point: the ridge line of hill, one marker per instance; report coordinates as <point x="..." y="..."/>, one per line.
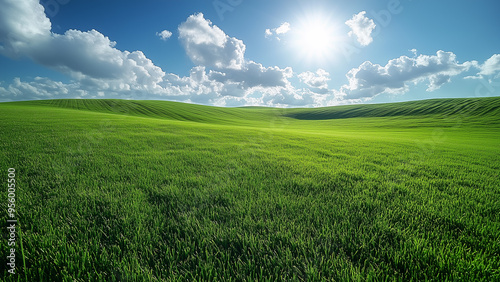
<point x="479" y="107"/>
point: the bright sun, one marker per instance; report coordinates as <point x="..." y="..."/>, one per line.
<point x="315" y="37"/>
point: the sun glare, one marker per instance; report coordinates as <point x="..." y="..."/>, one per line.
<point x="315" y="37"/>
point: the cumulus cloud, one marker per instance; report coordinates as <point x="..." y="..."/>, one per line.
<point x="89" y="57"/>
<point x="181" y="89"/>
<point x="164" y="35"/>
<point x="290" y="96"/>
<point x="206" y="44"/>
<point x="253" y="85"/>
<point x="491" y="66"/>
<point x="369" y="80"/>
<point x="254" y="74"/>
<point x="228" y="88"/>
<point x="282" y="29"/>
<point x="39" y="88"/>
<point x="22" y="23"/>
<point x="92" y="56"/>
<point x="362" y="28"/>
<point x="318" y="80"/>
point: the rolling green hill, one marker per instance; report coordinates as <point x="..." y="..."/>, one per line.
<point x="113" y="190"/>
<point x="486" y="108"/>
<point x="483" y="107"/>
<point x="160" y="109"/>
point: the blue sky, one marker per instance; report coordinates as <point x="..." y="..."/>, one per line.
<point x="249" y="52"/>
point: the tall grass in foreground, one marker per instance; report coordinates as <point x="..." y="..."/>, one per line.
<point x="103" y="196"/>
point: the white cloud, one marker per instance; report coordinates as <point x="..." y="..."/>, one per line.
<point x="317" y="80"/>
<point x="164" y="35"/>
<point x="212" y="87"/>
<point x="361" y="27"/>
<point x="254" y="74"/>
<point x="89" y="57"/>
<point x="290" y="97"/>
<point x="284" y="28"/>
<point x="92" y="56"/>
<point x="369" y="80"/>
<point x="39" y="88"/>
<point x="491" y="66"/>
<point x="21" y="24"/>
<point x="206" y="44"/>
<point x="228" y="89"/>
<point x="209" y="46"/>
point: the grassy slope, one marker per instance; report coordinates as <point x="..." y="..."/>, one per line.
<point x="147" y="190"/>
<point x="162" y="110"/>
<point x="440" y="107"/>
<point x="188" y="112"/>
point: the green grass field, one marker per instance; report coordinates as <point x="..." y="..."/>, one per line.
<point x="112" y="190"/>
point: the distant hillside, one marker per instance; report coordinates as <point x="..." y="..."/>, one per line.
<point x="487" y="109"/>
<point x="160" y="109"/>
<point x="469" y="107"/>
